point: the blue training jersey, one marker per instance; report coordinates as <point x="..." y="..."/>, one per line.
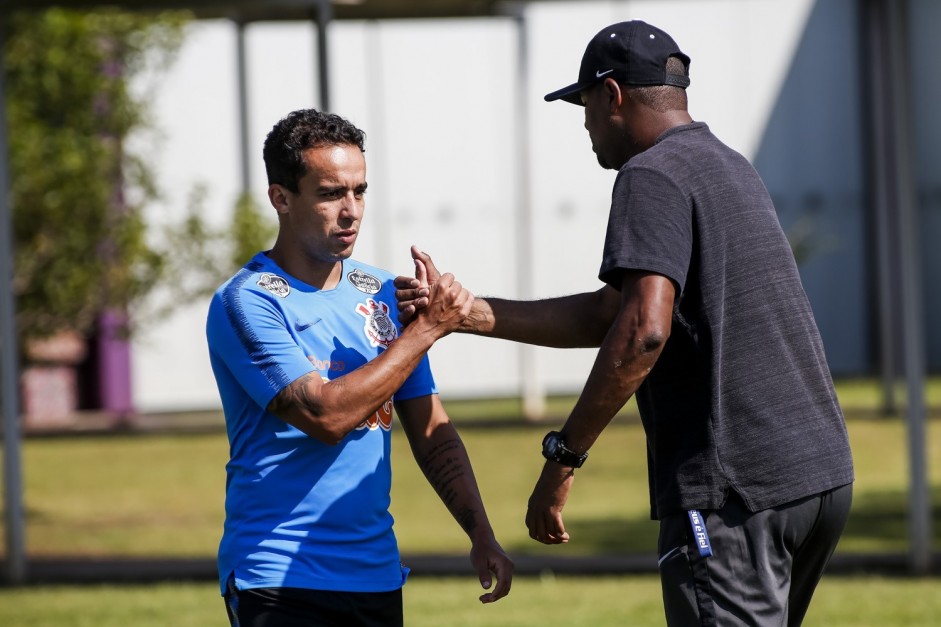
<point x="301" y="513"/>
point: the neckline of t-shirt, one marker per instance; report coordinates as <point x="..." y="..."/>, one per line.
<point x="673" y="130"/>
<point x="270" y="265"/>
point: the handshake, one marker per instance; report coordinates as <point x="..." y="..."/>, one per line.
<point x="432" y="300"/>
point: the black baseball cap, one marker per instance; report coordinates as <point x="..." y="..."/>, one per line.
<point x="633" y="53"/>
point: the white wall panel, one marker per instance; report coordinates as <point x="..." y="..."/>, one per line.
<point x="436" y="100"/>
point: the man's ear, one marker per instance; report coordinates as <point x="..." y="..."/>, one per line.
<point x="613" y="94"/>
<point x="278" y="197"/>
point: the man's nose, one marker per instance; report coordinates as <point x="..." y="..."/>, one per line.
<point x="350" y="207"/>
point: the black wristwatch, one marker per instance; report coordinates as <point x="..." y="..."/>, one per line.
<point x="554" y="449"/>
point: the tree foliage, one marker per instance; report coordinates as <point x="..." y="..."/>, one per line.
<point x="199" y="257"/>
<point x="251" y="231"/>
<point x="77" y="193"/>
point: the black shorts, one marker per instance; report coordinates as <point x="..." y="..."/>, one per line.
<point x="299" y="607"/>
<point x="764" y="565"/>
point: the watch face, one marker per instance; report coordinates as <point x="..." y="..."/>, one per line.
<point x="550" y="444"/>
<point x="553" y="448"/>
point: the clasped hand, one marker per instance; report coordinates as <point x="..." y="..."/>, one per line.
<point x="438" y="299"/>
<point x="412" y="293"/>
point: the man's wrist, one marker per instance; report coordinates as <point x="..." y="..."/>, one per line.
<point x="555" y="449"/>
<point x="423" y="334"/>
<point x="479" y="320"/>
<point x="483" y="534"/>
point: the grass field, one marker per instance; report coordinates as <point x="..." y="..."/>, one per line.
<point x="161" y="495"/>
<point x="452" y="602"/>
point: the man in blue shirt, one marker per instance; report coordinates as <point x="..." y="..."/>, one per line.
<point x="310" y="358"/>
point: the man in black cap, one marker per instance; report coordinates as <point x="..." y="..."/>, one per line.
<point x="703" y="316"/>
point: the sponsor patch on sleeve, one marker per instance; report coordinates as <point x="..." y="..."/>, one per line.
<point x="275" y="284"/>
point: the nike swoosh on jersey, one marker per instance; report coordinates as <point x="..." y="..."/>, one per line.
<point x="303" y="326"/>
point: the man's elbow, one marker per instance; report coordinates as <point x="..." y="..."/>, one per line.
<point x="329" y="430"/>
<point x="316" y="426"/>
<point x="651" y="339"/>
<point x="331" y="438"/>
<point x="654" y="340"/>
<point x="639" y="355"/>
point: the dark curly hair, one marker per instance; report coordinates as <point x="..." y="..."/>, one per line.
<point x="299" y="131"/>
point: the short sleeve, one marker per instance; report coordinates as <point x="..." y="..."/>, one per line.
<point x="248" y="334"/>
<point x="419" y="383"/>
<point x="649" y="228"/>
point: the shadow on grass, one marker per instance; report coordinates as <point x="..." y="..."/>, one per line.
<point x="605" y="536"/>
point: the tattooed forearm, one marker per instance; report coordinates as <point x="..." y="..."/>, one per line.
<point x="467" y="518"/>
<point x="297" y="393"/>
<point x="444" y="465"/>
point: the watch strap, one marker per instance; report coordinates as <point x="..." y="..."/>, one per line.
<point x="562" y="454"/>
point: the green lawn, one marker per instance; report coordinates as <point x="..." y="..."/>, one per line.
<point x="163" y="495"/>
<point x="535" y="602"/>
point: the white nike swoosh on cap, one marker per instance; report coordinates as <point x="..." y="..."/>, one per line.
<point x="599" y="74"/>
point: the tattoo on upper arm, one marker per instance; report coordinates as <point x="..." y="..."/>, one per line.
<point x="443" y="465"/>
<point x="296" y="393"/>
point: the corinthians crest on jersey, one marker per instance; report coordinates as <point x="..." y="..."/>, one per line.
<point x="379" y="328"/>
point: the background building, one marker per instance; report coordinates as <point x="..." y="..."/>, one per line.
<point x="780" y="81"/>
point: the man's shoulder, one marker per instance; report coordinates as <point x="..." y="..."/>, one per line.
<point x="254" y="278"/>
<point x="692" y="142"/>
<point x="685" y="153"/>
<point x="366" y="278"/>
<point x="680" y="140"/>
<point x="256" y="275"/>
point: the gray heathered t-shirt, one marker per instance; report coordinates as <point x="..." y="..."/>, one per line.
<point x="741" y="397"/>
